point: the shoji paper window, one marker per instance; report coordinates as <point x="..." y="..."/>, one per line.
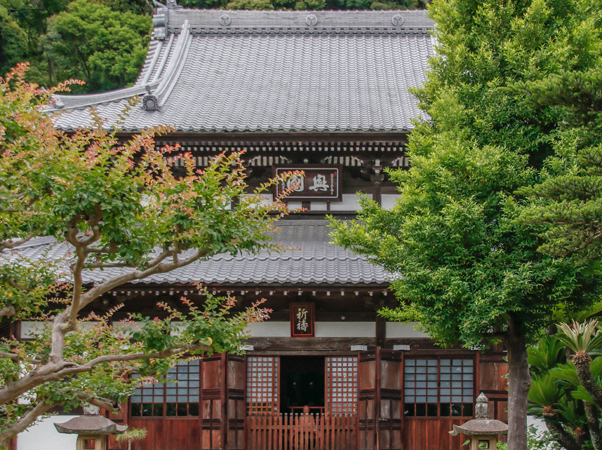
<point x="438" y="387"/>
<point x="179" y="396"/>
<point x="341" y="385"/>
<point x="262" y="384"/>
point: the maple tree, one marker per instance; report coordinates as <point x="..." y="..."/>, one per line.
<point x="118" y="206"/>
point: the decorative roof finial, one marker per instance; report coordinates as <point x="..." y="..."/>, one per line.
<point x="91" y="410"/>
<point x="481" y="425"/>
<point x="482" y="407"/>
<point x="173" y="4"/>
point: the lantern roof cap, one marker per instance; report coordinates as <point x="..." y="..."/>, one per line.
<point x="481" y="424"/>
<point x="90" y="424"/>
<point x="480" y="427"/>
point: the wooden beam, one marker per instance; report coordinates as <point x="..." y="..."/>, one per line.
<point x="246" y="137"/>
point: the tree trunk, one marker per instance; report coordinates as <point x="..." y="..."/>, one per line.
<point x="518" y="388"/>
<point x="593" y="424"/>
<point x="561" y="436"/>
<point x="582" y="363"/>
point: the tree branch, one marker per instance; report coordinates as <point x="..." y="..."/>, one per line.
<point x="9" y="355"/>
<point x="105" y="287"/>
<point x="8" y="311"/>
<point x="109" y="266"/>
<point x="561" y="435"/>
<point x="54" y="372"/>
<point x="8" y="244"/>
<point x="109" y="405"/>
<point x="24" y="422"/>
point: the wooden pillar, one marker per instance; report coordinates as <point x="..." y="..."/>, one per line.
<point x="377" y="399"/>
<point x="381" y="331"/>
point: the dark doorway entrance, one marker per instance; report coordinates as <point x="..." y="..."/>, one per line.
<point x="301" y="383"/>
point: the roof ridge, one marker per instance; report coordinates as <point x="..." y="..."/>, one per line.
<point x="273" y="30"/>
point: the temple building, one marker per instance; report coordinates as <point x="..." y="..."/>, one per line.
<point x="328" y="93"/>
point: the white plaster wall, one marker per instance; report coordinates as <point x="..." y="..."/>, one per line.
<point x="29" y="329"/>
<point x="403" y="330"/>
<point x="346" y="329"/>
<point x="43" y="436"/>
<point x="387" y="201"/>
<point x="318" y="206"/>
<point x="294" y="205"/>
<point x="270" y="329"/>
<point x="323" y="329"/>
<point x="537" y="423"/>
<point x="350" y="203"/>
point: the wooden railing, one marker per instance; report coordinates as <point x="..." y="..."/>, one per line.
<point x="301" y="432"/>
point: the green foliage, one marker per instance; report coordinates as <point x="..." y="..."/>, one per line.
<point x="536" y="440"/>
<point x="312" y="5"/>
<point x="130" y="435"/>
<point x="251" y="4"/>
<point x="569" y="192"/>
<point x="557" y="393"/>
<point x="467" y="267"/>
<point x="582" y="337"/>
<point x="105" y="48"/>
<point x="119" y="206"/>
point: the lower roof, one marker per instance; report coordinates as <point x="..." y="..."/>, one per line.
<point x="314" y="261"/>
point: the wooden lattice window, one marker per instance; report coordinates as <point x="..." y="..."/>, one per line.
<point x="341" y="385"/>
<point x="438" y="387"/>
<point x="179" y="396"/>
<point x="263" y="373"/>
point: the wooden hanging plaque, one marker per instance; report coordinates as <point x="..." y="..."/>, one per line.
<point x="320" y="183"/>
<point x="303" y="323"/>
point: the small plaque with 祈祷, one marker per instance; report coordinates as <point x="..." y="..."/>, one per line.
<point x="320" y="183"/>
<point x="302" y="320"/>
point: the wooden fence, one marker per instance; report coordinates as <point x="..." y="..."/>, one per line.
<point x="301" y="432"/>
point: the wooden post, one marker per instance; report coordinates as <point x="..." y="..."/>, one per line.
<point x="377" y="402"/>
<point x="224" y="401"/>
<point x="245" y="411"/>
<point x="402" y="415"/>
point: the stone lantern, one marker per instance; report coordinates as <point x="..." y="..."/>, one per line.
<point x="92" y="429"/>
<point x="482" y="430"/>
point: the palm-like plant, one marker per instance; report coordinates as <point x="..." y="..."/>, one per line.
<point x="548" y="399"/>
<point x="131" y="435"/>
<point x="547" y="354"/>
<point x="585" y="340"/>
<point x="582" y="337"/>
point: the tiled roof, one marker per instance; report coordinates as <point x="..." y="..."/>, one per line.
<point x="270" y="71"/>
<point x="313" y="261"/>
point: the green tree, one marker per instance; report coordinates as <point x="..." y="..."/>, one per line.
<point x="312" y="5"/>
<point x="467" y="270"/>
<point x="22" y="23"/>
<point x="118" y="206"/>
<point x="569" y="195"/>
<point x="105" y="48"/>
